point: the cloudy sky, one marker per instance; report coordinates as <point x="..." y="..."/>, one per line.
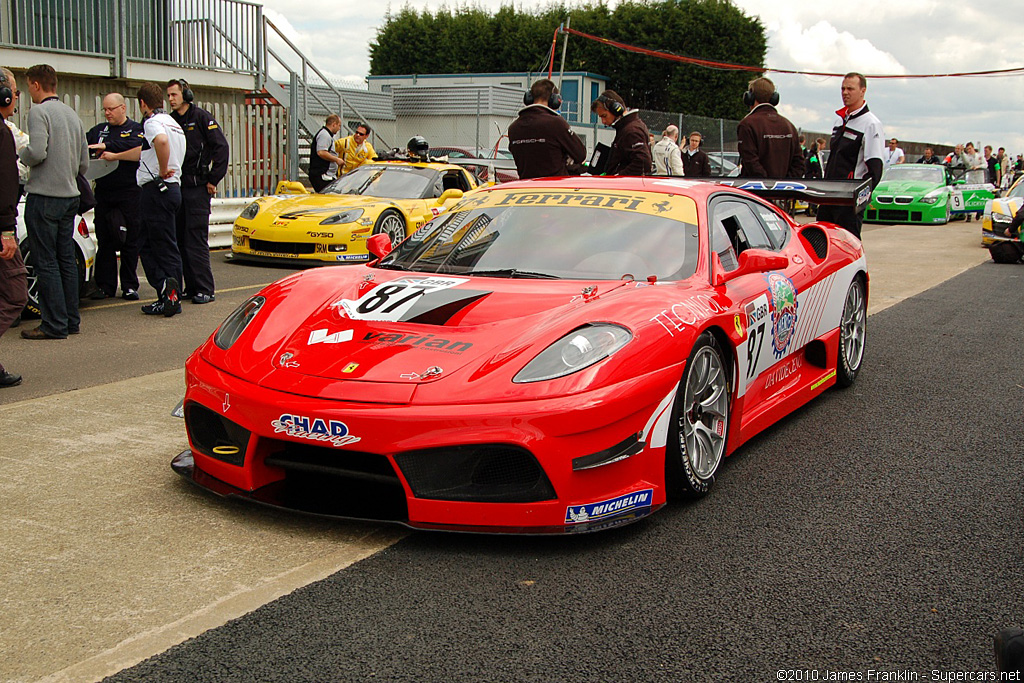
<point x="870" y="36"/>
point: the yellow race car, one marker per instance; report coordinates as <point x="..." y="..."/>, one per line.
<point x="389" y="197"/>
<point x="999" y="213"/>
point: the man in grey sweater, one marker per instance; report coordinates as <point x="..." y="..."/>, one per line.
<point x="56" y="153"/>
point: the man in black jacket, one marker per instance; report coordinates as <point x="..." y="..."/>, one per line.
<point x="116" y="218"/>
<point x="206" y="163"/>
<point x="631" y="150"/>
<point x="769" y="144"/>
<point x="13" y="275"/>
<point x="696" y="163"/>
<point x="540" y="140"/>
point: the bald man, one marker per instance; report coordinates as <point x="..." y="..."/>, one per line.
<point x="117" y="200"/>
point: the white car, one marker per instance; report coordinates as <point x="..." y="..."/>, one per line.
<point x="85" y="256"/>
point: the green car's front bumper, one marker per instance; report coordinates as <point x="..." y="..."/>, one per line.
<point x="902" y="209"/>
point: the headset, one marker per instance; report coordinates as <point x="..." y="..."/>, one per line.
<point x="750" y="101"/>
<point x="6" y="94"/>
<point x="614" y="106"/>
<point x="554" y="99"/>
<point x="186" y="91"/>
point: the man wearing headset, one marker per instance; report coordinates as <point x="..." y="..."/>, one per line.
<point x="630" y="153"/>
<point x="769" y="144"/>
<point x="13" y="275"/>
<point x="206" y="163"/>
<point x="540" y="140"/>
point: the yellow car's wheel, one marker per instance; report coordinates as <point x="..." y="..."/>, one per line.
<point x="392" y="224"/>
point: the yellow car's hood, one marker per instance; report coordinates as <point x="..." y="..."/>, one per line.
<point x="321" y="205"/>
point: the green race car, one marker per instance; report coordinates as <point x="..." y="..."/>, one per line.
<point x="912" y="193"/>
<point x="927" y="193"/>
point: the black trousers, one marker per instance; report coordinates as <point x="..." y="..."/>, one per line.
<point x="843" y="216"/>
<point x="158" y="245"/>
<point x="193" y="233"/>
<point x="317" y="181"/>
<point x="116" y="223"/>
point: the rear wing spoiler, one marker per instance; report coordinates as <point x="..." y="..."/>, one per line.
<point x="855" y="193"/>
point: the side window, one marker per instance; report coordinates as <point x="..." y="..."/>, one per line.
<point x="737" y="225"/>
<point x="454" y="180"/>
<point x="751" y="231"/>
<point x="723" y="236"/>
<point x="777" y="227"/>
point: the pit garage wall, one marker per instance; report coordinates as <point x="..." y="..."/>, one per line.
<point x="256" y="133"/>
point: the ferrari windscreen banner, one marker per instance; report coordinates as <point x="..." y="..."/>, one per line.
<point x="837" y="192"/>
<point x="677" y="208"/>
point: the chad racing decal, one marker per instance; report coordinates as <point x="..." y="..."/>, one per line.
<point x="784" y="311"/>
<point x="334" y="432"/>
<point x="391" y="300"/>
<point x="593" y="512"/>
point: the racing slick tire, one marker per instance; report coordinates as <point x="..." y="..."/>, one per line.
<point x="392" y="224"/>
<point x="699" y="429"/>
<point x="32" y="310"/>
<point x="852" y="334"/>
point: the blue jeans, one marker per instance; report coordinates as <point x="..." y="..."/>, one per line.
<point x="51" y="228"/>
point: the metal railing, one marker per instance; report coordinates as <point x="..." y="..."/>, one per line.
<point x="224" y="35"/>
<point x="302" y="91"/>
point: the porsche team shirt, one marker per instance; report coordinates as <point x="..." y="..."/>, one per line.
<point x="856" y="137"/>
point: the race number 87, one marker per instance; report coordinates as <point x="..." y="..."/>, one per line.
<point x="390" y="293"/>
<point x="755" y="339"/>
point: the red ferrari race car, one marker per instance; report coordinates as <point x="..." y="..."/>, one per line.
<point x="550" y="356"/>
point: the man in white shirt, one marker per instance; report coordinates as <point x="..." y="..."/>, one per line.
<point x="857" y="149"/>
<point x="160" y="158"/>
<point x="668" y="158"/>
<point x="894" y="155"/>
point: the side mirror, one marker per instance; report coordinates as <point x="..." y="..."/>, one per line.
<point x="749" y="261"/>
<point x="449" y="194"/>
<point x="379" y="245"/>
<point x="961" y="181"/>
<point x="290" y="187"/>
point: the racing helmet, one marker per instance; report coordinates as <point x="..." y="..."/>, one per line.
<point x="418" y="146"/>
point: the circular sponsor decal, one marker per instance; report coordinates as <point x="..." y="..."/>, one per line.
<point x="782" y="293"/>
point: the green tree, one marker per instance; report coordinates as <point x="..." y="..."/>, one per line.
<point x="469" y="40"/>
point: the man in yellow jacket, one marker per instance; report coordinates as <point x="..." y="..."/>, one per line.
<point x="355" y="150"/>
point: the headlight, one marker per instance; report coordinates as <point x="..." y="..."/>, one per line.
<point x="249" y="212"/>
<point x="235" y="324"/>
<point x="1002" y="218"/>
<point x="932" y="196"/>
<point x="343" y="217"/>
<point x="579" y="349"/>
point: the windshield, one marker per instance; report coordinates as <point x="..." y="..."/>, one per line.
<point x="389" y="182"/>
<point x="576" y="243"/>
<point x="976" y="177"/>
<point x="1016" y="191"/>
<point x="931" y="174"/>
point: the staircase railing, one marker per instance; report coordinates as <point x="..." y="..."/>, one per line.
<point x="299" y="94"/>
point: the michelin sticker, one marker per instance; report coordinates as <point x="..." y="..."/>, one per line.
<point x="391" y="300"/>
<point x="334" y="432"/>
<point x="594" y="512"/>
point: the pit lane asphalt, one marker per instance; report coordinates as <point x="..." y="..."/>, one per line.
<point x="821" y="545"/>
